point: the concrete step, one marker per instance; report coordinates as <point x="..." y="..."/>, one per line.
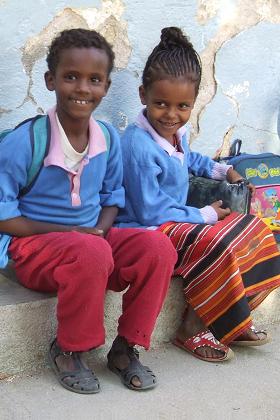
<point x="28" y="321"/>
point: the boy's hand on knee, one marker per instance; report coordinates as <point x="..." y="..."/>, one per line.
<point x="222" y="213"/>
<point x="89" y="230"/>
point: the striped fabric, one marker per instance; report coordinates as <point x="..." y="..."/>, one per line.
<point x="229" y="269"/>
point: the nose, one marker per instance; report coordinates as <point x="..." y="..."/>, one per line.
<point x="83" y="86"/>
<point x="171" y="112"/>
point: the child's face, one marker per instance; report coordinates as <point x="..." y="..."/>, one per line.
<point x="169" y="104"/>
<point x="80" y="82"/>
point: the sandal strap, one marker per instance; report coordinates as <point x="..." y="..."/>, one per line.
<point x="256" y="331"/>
<point x="80" y="377"/>
<point x="75" y="356"/>
<point x="135" y="368"/>
<point x="204" y="339"/>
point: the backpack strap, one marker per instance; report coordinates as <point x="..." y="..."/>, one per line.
<point x="4" y="133"/>
<point x="40" y="142"/>
<point x="235" y="148"/>
<point x="233" y="152"/>
<point x="107" y="136"/>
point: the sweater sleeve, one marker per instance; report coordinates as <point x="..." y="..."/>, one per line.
<point x="112" y="193"/>
<point x="204" y="166"/>
<point x="200" y="165"/>
<point x="15" y="159"/>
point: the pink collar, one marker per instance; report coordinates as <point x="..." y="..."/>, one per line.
<point x="97" y="142"/>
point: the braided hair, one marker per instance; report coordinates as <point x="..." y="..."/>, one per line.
<point x="78" y="38"/>
<point x="174" y="56"/>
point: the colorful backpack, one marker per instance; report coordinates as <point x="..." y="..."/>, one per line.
<point x="262" y="170"/>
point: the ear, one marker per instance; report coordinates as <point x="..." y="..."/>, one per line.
<point x="142" y="94"/>
<point x="49" y="80"/>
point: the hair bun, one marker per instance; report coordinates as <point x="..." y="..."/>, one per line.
<point x="174" y="37"/>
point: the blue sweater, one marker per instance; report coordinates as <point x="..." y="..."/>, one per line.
<point x="156" y="184"/>
<point x="49" y="200"/>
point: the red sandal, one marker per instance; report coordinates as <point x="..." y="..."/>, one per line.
<point x="204" y="339"/>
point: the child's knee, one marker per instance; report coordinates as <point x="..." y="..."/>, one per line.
<point x="158" y="246"/>
<point x="90" y="250"/>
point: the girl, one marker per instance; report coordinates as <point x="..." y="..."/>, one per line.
<point x="229" y="262"/>
<point x="61" y="229"/>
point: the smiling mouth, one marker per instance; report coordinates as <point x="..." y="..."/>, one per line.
<point x="80" y="102"/>
<point x="167" y="124"/>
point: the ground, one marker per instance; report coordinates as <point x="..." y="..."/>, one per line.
<point x="189" y="389"/>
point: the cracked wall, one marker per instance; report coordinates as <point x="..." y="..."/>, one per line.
<point x="237" y="40"/>
<point x="106" y="19"/>
<point x="235" y="18"/>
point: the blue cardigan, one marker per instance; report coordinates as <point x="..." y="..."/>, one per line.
<point x="156" y="184"/>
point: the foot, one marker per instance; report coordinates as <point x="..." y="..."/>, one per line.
<point x="124" y="361"/>
<point x="72" y="371"/>
<point x="205" y="339"/>
<point x="190" y="327"/>
<point x="252" y="337"/>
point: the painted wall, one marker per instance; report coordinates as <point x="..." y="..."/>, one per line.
<point x="238" y="41"/>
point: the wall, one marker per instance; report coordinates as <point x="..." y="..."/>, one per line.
<point x="238" y="41"/>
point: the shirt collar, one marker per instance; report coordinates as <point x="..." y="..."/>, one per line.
<point x="97" y="141"/>
<point x="143" y="123"/>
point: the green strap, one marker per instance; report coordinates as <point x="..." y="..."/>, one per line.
<point x="4" y="133"/>
<point x="40" y="137"/>
<point x="39" y="131"/>
<point x="106" y="135"/>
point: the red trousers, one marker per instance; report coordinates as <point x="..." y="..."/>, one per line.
<point x="80" y="267"/>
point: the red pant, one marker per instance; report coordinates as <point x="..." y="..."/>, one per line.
<point x="80" y="267"/>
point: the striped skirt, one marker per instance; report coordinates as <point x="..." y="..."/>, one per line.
<point x="229" y="269"/>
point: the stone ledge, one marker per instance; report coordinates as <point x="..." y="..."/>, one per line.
<point x="28" y="322"/>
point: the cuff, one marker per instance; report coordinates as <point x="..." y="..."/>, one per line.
<point x="219" y="171"/>
<point x="9" y="210"/>
<point x="114" y="198"/>
<point x="209" y="215"/>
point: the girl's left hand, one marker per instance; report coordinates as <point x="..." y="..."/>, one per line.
<point x="233" y="177"/>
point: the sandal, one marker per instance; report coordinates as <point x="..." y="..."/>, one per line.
<point x="135" y="368"/>
<point x="81" y="380"/>
<point x="204" y="339"/>
<point x="260" y="342"/>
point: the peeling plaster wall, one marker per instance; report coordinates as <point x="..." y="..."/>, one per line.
<point x="238" y="41"/>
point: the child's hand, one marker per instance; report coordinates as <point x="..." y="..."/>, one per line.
<point x="222" y="213"/>
<point x="233" y="177"/>
<point x="89" y="230"/>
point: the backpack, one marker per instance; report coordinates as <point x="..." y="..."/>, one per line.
<point x="262" y="170"/>
<point x="40" y="141"/>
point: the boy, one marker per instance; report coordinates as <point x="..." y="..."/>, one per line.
<point x="62" y="239"/>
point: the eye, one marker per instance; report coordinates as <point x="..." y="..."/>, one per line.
<point x="95" y="79"/>
<point x="184" y="106"/>
<point x="70" y="77"/>
<point x="160" y="104"/>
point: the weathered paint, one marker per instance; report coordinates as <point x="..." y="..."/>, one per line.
<point x="237" y="40"/>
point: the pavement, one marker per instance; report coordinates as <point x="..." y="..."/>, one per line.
<point x="247" y="387"/>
